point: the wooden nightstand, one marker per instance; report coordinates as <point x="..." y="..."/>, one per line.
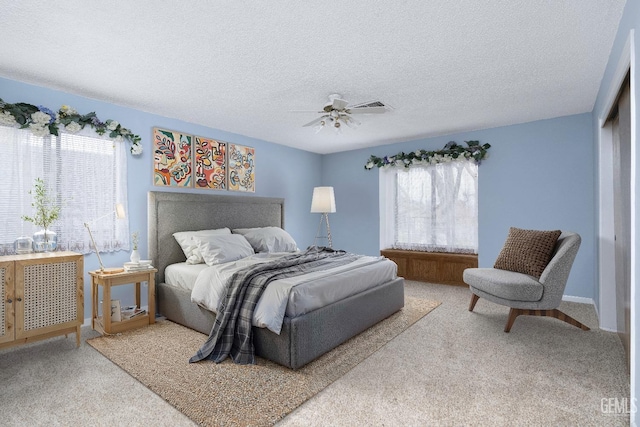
<point x="103" y="324"/>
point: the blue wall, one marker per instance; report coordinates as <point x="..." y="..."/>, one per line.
<point x="280" y="171"/>
<point x="539" y="175"/>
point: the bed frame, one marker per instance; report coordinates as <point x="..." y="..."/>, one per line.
<point x="303" y="338"/>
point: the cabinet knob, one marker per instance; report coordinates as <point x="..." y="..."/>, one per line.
<point x="18" y="299"/>
<point x="9" y="300"/>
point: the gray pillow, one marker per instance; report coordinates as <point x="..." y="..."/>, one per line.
<point x="222" y="248"/>
<point x="190" y="247"/>
<point x="268" y="239"/>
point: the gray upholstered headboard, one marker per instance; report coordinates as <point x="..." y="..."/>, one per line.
<point x="170" y="212"/>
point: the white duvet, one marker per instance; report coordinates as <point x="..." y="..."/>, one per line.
<point x="293" y="296"/>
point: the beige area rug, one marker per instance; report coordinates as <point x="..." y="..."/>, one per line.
<point x="227" y="394"/>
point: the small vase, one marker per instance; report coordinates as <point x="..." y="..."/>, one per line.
<point x="23" y="245"/>
<point x="135" y="256"/>
<point x="45" y="241"/>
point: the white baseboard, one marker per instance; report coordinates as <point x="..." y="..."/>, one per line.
<point x="581" y="300"/>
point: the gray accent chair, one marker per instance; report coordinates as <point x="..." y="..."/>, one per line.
<point x="525" y="294"/>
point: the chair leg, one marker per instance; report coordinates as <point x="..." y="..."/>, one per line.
<point x="474" y="300"/>
<point x="513" y="313"/>
<point x="566" y="318"/>
<point x="555" y="313"/>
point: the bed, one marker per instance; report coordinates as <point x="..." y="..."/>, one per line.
<point x="302" y="338"/>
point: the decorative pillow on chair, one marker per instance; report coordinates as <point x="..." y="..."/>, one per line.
<point x="527" y="251"/>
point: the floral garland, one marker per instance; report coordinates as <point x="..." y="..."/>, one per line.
<point x="42" y="122"/>
<point x="451" y="152"/>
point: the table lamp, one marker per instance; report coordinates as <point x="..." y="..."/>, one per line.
<point x="119" y="215"/>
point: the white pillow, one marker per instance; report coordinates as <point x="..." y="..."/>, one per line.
<point x="268" y="239"/>
<point x="218" y="249"/>
<point x="190" y="246"/>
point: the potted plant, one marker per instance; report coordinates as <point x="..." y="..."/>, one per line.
<point x="46" y="213"/>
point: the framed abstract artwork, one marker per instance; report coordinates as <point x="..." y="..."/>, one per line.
<point x="241" y="168"/>
<point x="209" y="163"/>
<point x="172" y="165"/>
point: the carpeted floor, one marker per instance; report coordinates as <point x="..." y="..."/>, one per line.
<point x="451" y="367"/>
<point x="456" y="367"/>
<point x="232" y="395"/>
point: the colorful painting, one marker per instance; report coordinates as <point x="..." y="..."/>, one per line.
<point x="242" y="168"/>
<point x="209" y="163"/>
<point x="171" y="158"/>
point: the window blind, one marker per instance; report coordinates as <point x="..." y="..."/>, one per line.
<point x="430" y="208"/>
<point x="85" y="174"/>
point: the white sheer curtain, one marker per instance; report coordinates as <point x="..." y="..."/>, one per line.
<point x="430" y="208"/>
<point x="87" y="176"/>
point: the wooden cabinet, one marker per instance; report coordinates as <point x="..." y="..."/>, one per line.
<point x="43" y="296"/>
<point x="432" y="267"/>
<point x="7" y="313"/>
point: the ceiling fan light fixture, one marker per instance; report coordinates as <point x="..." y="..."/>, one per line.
<point x="349" y="121"/>
<point x="337" y="112"/>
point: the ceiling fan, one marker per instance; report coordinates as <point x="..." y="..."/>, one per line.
<point x="337" y="112"/>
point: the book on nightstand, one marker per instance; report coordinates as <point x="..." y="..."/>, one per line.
<point x="136" y="313"/>
<point x="116" y="315"/>
<point x="143" y="265"/>
<point x="127" y="311"/>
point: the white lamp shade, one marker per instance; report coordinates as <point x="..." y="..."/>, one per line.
<point x="323" y="200"/>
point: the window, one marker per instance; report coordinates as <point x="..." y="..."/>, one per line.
<point x="430" y="208"/>
<point x="84" y="173"/>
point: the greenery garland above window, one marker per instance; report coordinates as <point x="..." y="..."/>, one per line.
<point x="43" y="121"/>
<point x="451" y="152"/>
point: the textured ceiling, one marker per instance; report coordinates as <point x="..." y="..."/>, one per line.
<point x="246" y="66"/>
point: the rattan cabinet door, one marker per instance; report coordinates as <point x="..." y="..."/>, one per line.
<point x="7" y="312"/>
<point x="47" y="295"/>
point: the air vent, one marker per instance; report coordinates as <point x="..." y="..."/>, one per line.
<point x="369" y="104"/>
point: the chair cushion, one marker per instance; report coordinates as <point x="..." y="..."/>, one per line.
<point x="527" y="251"/>
<point x="504" y="284"/>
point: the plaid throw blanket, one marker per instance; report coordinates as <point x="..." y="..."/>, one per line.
<point x="231" y="334"/>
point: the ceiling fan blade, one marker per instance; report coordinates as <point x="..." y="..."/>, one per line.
<point x="366" y="110"/>
<point x="315" y="121"/>
<point x="339" y="104"/>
